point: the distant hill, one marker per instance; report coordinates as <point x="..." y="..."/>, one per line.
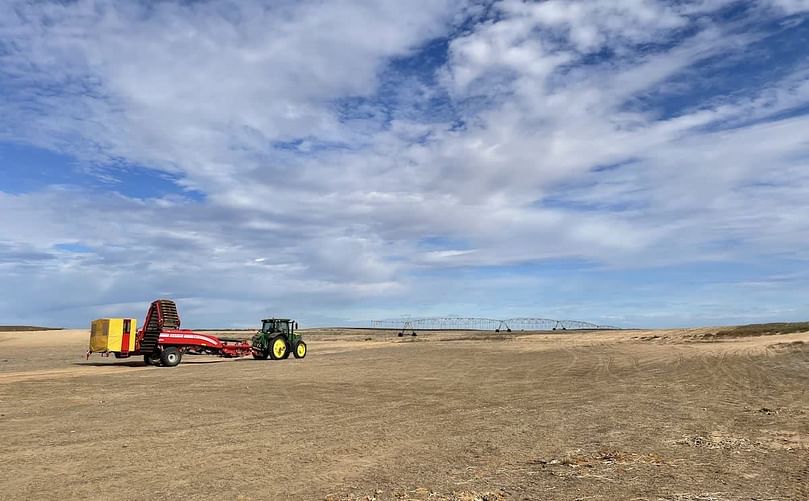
<point x="764" y="329"/>
<point x="8" y="328"/>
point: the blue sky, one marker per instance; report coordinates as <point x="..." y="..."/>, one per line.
<point x="634" y="163"/>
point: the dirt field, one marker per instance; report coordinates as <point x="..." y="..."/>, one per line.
<point x="657" y="415"/>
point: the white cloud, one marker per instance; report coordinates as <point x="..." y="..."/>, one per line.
<point x="790" y="6"/>
<point x="559" y="154"/>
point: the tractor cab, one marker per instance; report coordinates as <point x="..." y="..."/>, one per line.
<point x="280" y="325"/>
<point x="276" y="339"/>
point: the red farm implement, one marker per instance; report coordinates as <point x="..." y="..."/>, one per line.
<point x="160" y="341"/>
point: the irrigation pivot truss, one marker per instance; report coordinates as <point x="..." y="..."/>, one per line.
<point x="485" y="324"/>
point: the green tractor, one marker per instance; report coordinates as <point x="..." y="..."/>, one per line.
<point x="277" y="339"/>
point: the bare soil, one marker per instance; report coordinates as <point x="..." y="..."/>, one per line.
<point x="644" y="415"/>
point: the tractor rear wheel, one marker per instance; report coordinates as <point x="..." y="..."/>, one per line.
<point x="300" y="349"/>
<point x="261" y="354"/>
<point x="152" y="359"/>
<point x="279" y="349"/>
<point x="170" y="356"/>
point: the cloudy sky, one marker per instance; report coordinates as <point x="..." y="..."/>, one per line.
<point x="635" y="162"/>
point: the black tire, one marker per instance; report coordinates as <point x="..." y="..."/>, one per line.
<point x="261" y="354"/>
<point x="296" y="348"/>
<point x="152" y="359"/>
<point x="275" y="352"/>
<point x="170" y="356"/>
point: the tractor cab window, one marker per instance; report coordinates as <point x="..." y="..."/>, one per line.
<point x="276" y="326"/>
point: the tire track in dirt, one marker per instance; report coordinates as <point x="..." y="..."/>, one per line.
<point x="15" y="377"/>
<point x="90" y="369"/>
<point x="802" y="481"/>
<point x="739" y="365"/>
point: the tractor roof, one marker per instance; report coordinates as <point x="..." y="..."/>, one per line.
<point x="276" y="320"/>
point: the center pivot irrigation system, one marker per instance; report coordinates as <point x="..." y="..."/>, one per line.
<point x="484" y="324"/>
<point x="162" y="342"/>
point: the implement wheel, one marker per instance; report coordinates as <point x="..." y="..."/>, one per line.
<point x="170" y="356"/>
<point x="300" y="349"/>
<point x="279" y="349"/>
<point x="152" y="359"/>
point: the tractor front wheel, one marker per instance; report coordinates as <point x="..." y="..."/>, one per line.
<point x="170" y="356"/>
<point x="300" y="349"/>
<point x="279" y="349"/>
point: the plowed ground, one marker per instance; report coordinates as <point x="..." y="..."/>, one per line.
<point x="657" y="415"/>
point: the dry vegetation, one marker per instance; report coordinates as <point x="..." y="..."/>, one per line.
<point x="644" y="415"/>
<point x="763" y="329"/>
<point x="26" y="328"/>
